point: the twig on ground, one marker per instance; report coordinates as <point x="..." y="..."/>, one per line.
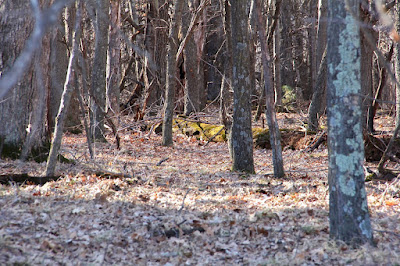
<point x="162" y="160"/>
<point x="214" y="136"/>
<point x="183" y="202"/>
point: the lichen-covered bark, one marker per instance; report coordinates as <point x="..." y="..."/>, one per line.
<point x="241" y="141"/>
<point x="348" y="209"/>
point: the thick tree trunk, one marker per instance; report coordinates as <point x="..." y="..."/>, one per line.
<point x="98" y="90"/>
<point x="287" y="71"/>
<point x="348" y="209"/>
<point x="275" y="136"/>
<point x="171" y="73"/>
<point x="241" y="141"/>
<point x="114" y="58"/>
<point x="156" y="44"/>
<point x="192" y="60"/>
<point x="23" y="101"/>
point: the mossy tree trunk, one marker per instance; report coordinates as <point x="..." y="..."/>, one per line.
<point x="241" y="141"/>
<point x="348" y="209"/>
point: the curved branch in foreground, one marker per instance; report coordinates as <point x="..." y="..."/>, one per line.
<point x="44" y="20"/>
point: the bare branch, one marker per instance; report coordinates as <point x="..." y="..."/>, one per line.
<point x="44" y="20"/>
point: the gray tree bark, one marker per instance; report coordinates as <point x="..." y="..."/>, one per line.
<point x="65" y="98"/>
<point x="114" y="60"/>
<point x="348" y="209"/>
<point x="241" y="140"/>
<point x="274" y="133"/>
<point x="226" y="83"/>
<point x="171" y="73"/>
<point x="19" y="106"/>
<point x="194" y="83"/>
<point x="98" y="89"/>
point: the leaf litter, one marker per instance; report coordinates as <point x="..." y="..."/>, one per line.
<point x="152" y="205"/>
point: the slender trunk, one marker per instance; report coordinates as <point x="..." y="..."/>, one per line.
<point x="275" y="136"/>
<point x="66" y="96"/>
<point x="397" y="61"/>
<point x="318" y="98"/>
<point x="171" y="73"/>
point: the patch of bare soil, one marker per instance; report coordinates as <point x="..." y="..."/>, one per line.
<point x="152" y="205"/>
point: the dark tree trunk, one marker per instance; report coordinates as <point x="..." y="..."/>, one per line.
<point x="156" y="44"/>
<point x="241" y="140"/>
<point x="98" y="90"/>
<point x="318" y="99"/>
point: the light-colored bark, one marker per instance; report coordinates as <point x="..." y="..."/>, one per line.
<point x="65" y="99"/>
<point x="348" y="209"/>
<point x="275" y="136"/>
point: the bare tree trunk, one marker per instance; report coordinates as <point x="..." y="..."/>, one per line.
<point x="156" y="41"/>
<point x="367" y="53"/>
<point x="68" y="89"/>
<point x="348" y="208"/>
<point x="275" y="136"/>
<point x="191" y="66"/>
<point x="312" y="32"/>
<point x="114" y="57"/>
<point x="171" y="73"/>
<point x="277" y="67"/>
<point x="318" y="98"/>
<point x="98" y="90"/>
<point x="397" y="62"/>
<point x="241" y="140"/>
<point x="226" y="82"/>
<point x="22" y="108"/>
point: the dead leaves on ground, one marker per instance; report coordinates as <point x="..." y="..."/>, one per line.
<point x="189" y="209"/>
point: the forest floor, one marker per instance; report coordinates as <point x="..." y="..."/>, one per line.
<point x="146" y="204"/>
